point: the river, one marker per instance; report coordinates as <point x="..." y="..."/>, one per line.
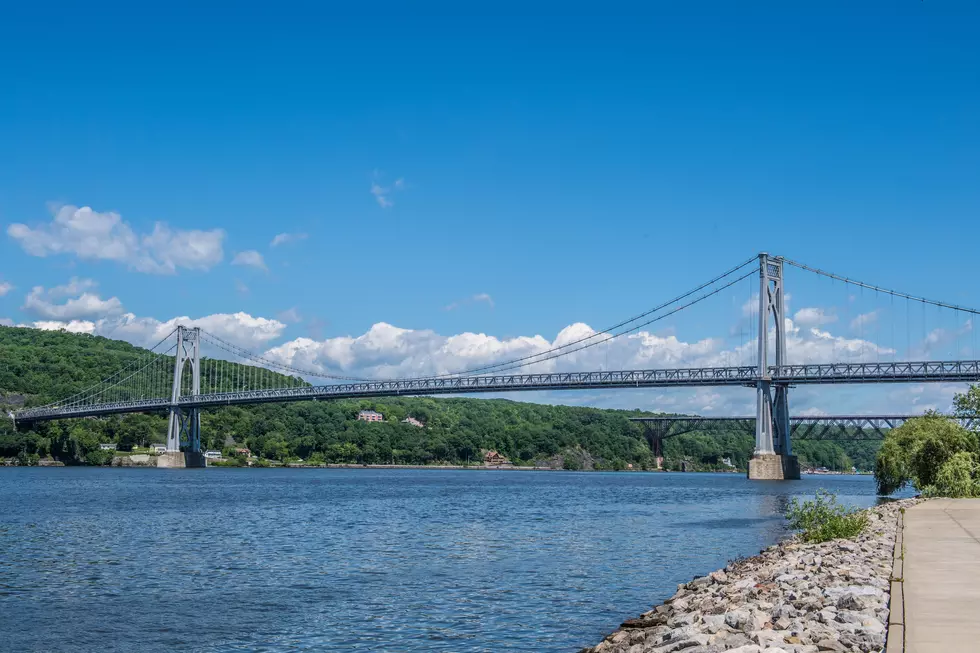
<point x="350" y="560"/>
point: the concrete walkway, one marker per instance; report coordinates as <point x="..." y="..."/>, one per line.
<point x="942" y="576"/>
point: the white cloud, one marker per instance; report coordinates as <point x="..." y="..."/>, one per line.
<point x="807" y="317"/>
<point x="285" y="238"/>
<point x="382" y="194"/>
<point x="239" y="328"/>
<point x="242" y="329"/>
<point x="289" y="316"/>
<point x="92" y="235"/>
<point x="386" y="351"/>
<point x="80" y="302"/>
<point x="6" y="321"/>
<point x="251" y="258"/>
<point x="73" y="326"/>
<point x="479" y="297"/>
<point x="5" y="287"/>
<point x="864" y="319"/>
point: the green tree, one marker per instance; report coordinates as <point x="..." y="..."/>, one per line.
<point x="916" y="451"/>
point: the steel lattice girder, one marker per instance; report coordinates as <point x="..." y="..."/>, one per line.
<point x="825" y="427"/>
<point x="950" y="371"/>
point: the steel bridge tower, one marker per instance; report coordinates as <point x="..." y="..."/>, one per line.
<point x="773" y="458"/>
<point x="185" y="425"/>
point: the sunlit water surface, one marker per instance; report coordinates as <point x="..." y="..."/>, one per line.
<point x="380" y="560"/>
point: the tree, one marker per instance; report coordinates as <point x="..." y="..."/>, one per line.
<point x="916" y="452"/>
<point x="967" y="404"/>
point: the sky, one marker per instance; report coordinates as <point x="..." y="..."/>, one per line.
<point x="425" y="189"/>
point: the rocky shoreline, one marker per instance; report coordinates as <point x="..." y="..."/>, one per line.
<point x="793" y="597"/>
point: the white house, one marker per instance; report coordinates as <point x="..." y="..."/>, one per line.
<point x="107" y="446"/>
<point x="213" y="455"/>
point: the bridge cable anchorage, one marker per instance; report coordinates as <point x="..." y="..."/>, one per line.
<point x="513" y="363"/>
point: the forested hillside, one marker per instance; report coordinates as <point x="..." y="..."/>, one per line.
<point x="40" y="366"/>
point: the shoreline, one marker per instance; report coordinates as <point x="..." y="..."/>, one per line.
<point x="150" y="463"/>
<point x="792" y="597"/>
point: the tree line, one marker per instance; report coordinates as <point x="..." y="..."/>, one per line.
<point x="41" y="366"/>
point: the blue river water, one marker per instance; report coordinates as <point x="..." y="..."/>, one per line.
<point x="363" y="560"/>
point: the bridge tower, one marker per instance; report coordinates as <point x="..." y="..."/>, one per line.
<point x="773" y="458"/>
<point x="185" y="425"/>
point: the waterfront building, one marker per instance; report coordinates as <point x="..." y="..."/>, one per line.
<point x="493" y="458"/>
<point x="370" y="416"/>
<point x="107" y="446"/>
<point x="213" y="455"/>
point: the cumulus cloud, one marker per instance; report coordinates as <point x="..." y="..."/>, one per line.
<point x="239" y="328"/>
<point x="73" y="326"/>
<point x="387" y="351"/>
<point x="285" y="238"/>
<point x="80" y="303"/>
<point x="92" y="235"/>
<point x="5" y="288"/>
<point x="864" y="319"/>
<point x="808" y="317"/>
<point x="251" y="258"/>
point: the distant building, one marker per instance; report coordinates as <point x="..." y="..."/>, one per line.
<point x="413" y="422"/>
<point x="160" y="449"/>
<point x="244" y="452"/>
<point x="213" y="455"/>
<point x="493" y="458"/>
<point x="107" y="446"/>
<point x="370" y="416"/>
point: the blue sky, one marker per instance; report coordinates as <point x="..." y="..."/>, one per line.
<point x="510" y="173"/>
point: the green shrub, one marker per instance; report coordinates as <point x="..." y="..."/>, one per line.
<point x="28" y="459"/>
<point x="956" y="478"/>
<point x="99" y="457"/>
<point x="823" y="519"/>
<point x="916" y="452"/>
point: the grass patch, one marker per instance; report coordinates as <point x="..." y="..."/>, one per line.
<point x="823" y="519"/>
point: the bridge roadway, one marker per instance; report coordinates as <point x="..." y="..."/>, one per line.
<point x="832" y="373"/>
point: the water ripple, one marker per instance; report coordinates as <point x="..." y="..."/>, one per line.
<point x="362" y="560"/>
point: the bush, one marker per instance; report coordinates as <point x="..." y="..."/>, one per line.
<point x="916" y="452"/>
<point x="28" y="459"/>
<point x="957" y="478"/>
<point x="823" y="519"/>
<point x="99" y="457"/>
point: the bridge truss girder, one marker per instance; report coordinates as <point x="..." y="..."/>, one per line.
<point x="817" y="427"/>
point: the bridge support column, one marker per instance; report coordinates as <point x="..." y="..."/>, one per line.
<point x="773" y="458"/>
<point x="184" y="427"/>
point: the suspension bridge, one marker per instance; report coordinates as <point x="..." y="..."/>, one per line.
<point x="174" y="377"/>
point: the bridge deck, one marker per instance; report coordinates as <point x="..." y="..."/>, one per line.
<point x="837" y="373"/>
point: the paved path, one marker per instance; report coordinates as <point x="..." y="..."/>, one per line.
<point x="942" y="576"/>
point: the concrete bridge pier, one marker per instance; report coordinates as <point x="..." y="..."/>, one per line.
<point x="181" y="459"/>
